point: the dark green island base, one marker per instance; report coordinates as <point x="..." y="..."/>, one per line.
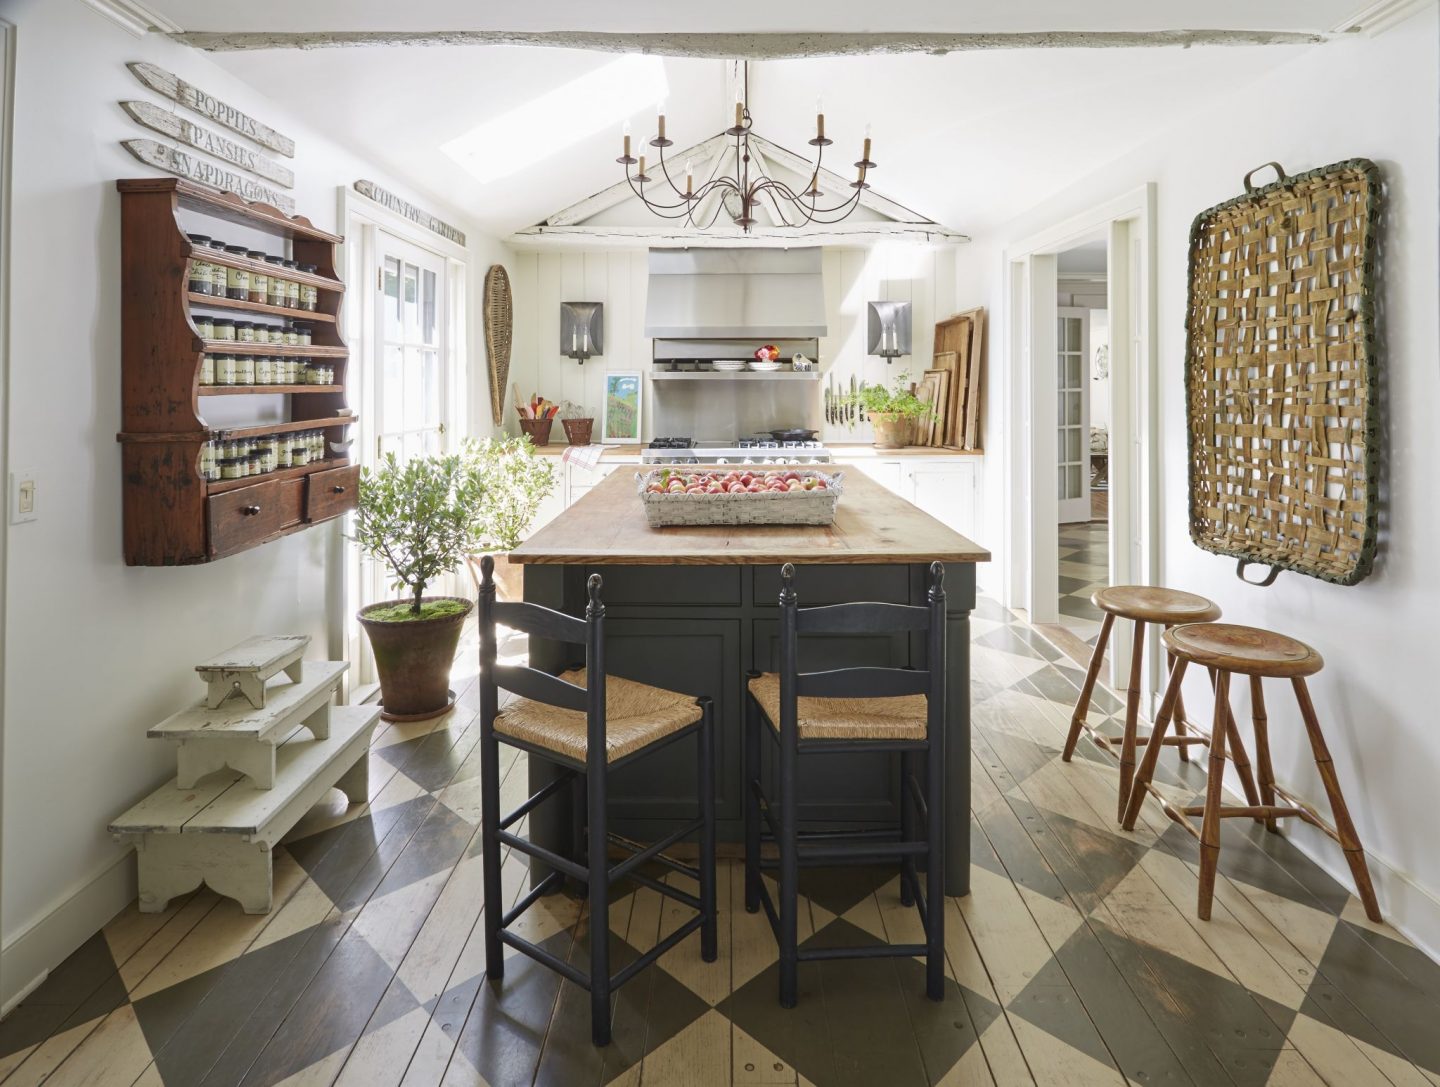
<point x="698" y="624"/>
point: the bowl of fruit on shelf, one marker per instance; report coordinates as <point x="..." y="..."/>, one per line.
<point x="739" y="496"/>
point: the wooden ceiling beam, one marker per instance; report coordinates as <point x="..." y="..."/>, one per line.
<point x="764" y="46"/>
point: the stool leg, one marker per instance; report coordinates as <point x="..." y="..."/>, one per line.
<point x="908" y="879"/>
<point x="1082" y="707"/>
<point x="709" y="950"/>
<point x="1210" y="825"/>
<point x="1132" y="717"/>
<point x="1344" y="828"/>
<point x="750" y="726"/>
<point x="1152" y="749"/>
<point x="1180" y="715"/>
<point x="598" y="869"/>
<point x="1262" y="749"/>
<point x="935" y="870"/>
<point x="789" y="867"/>
<point x="1239" y="756"/>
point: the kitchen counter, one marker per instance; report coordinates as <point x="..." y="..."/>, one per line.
<point x="845" y="450"/>
<point x="872" y="525"/>
<point x="694" y="608"/>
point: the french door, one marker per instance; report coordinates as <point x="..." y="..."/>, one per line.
<point x="1072" y="342"/>
<point x="410" y="332"/>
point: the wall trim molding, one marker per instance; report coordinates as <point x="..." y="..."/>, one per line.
<point x="1380" y="16"/>
<point x="133" y="17"/>
<point x="49" y="939"/>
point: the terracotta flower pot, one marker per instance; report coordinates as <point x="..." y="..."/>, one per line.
<point x="892" y="431"/>
<point x="413" y="659"/>
<point x="577" y="431"/>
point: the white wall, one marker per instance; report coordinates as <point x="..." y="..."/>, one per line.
<point x="1375" y="98"/>
<point x="542" y="279"/>
<point x="95" y="651"/>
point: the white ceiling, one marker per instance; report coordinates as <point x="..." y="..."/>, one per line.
<point x="756" y="15"/>
<point x="969" y="139"/>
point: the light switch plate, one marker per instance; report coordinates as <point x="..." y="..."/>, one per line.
<point x="24" y="488"/>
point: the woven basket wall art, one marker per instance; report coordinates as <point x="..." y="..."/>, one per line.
<point x="1280" y="374"/>
<point x="498" y="316"/>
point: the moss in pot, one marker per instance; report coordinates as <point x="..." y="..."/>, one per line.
<point x="420" y="519"/>
<point x="893" y="412"/>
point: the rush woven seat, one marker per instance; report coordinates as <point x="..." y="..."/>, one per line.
<point x="898" y="718"/>
<point x="1247" y="650"/>
<point x="636" y="716"/>
<point x="1227" y="649"/>
<point x="1154" y="604"/>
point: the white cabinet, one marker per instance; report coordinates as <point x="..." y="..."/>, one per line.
<point x="579" y="480"/>
<point x="947" y="488"/>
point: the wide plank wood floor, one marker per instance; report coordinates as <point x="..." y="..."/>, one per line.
<point x="1077" y="959"/>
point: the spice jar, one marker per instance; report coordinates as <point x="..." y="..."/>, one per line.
<point x="217" y="271"/>
<point x="258" y="281"/>
<point x="292" y="334"/>
<point x="199" y="275"/>
<point x="244" y="332"/>
<point x="204" y="325"/>
<point x="245" y="370"/>
<point x="237" y="280"/>
<point x="224" y="328"/>
<point x="292" y="287"/>
<point x="264" y="370"/>
<point x="225" y="369"/>
<point x="299" y="455"/>
<point x="282" y="453"/>
<point x="231" y="468"/>
<point x="309" y="293"/>
<point x="277" y="293"/>
<point x="207" y="369"/>
<point x="317" y="445"/>
<point x="305" y="334"/>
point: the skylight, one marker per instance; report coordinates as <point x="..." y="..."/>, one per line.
<point x="560" y="118"/>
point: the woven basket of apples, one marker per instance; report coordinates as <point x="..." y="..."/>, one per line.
<point x="673" y="496"/>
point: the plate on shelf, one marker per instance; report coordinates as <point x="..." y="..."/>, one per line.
<point x="765" y="366"/>
<point x="728" y="365"/>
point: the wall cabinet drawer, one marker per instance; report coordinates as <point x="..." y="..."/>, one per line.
<point x="242" y="518"/>
<point x="329" y="494"/>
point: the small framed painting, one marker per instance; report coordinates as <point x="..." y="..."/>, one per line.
<point x="621" y="422"/>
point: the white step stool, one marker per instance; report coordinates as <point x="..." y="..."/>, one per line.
<point x="248" y="769"/>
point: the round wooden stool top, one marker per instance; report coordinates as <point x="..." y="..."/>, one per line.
<point x="1247" y="650"/>
<point x="1153" y="604"/>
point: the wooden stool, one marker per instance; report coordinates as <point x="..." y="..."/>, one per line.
<point x="1141" y="604"/>
<point x="1225" y="648"/>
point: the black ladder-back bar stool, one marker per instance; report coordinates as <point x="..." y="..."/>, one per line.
<point x="589" y="724"/>
<point x="866" y="709"/>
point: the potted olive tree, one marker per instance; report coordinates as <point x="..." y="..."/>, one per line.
<point x="893" y="412"/>
<point x="516" y="480"/>
<point x="420" y="519"/>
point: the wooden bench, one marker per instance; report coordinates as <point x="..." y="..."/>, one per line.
<point x="244" y="738"/>
<point x="221" y="832"/>
<point x="243" y="669"/>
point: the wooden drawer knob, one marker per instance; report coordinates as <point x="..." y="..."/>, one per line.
<point x="338" y="489"/>
<point x="250" y="511"/>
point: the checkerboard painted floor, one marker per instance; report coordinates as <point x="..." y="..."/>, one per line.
<point x="1084" y="567"/>
<point x="1077" y="959"/>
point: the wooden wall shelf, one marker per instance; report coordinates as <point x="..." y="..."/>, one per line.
<point x="173" y="515"/>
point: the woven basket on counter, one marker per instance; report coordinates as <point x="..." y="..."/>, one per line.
<point x="767" y="508"/>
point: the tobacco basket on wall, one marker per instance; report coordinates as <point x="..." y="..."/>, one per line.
<point x="1280" y="373"/>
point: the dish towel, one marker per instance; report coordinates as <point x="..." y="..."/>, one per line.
<point x="583" y="456"/>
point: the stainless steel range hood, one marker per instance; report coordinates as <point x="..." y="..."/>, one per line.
<point x="762" y="294"/>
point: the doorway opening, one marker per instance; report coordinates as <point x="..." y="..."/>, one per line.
<point x="1082" y="341"/>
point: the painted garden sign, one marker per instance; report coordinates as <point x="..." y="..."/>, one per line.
<point x="622" y="407"/>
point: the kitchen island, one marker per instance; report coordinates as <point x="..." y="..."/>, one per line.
<point x="694" y="608"/>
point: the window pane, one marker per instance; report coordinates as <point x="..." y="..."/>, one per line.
<point x="1072" y="372"/>
<point x="413" y="446"/>
<point x="432" y="443"/>
<point x="430" y="386"/>
<point x="392" y="389"/>
<point x="429" y="308"/>
<point x="414" y="391"/>
<point x="1072" y="445"/>
<point x="410" y="301"/>
<point x="390" y="282"/>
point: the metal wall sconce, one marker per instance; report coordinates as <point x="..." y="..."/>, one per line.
<point x="582" y="330"/>
<point x="889" y="329"/>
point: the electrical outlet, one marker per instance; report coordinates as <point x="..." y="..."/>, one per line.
<point x="23" y="488"/>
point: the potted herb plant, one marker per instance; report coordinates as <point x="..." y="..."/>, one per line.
<point x="893" y="411"/>
<point x="516" y="480"/>
<point x="420" y="519"/>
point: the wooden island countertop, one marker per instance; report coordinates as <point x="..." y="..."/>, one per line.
<point x="872" y="525"/>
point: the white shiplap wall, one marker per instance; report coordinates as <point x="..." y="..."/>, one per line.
<point x="542" y="279"/>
